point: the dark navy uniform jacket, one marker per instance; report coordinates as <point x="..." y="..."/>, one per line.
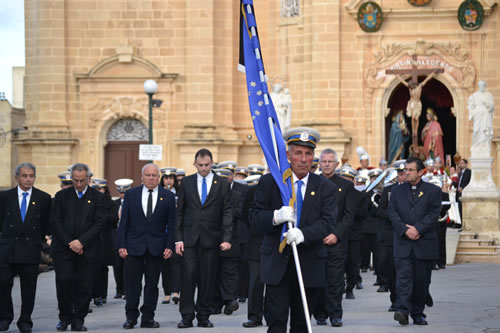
<point x="420" y="210"/>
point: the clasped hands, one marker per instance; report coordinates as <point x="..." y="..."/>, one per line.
<point x="179" y="247"/>
<point x="76" y="246"/>
<point x="412" y="232"/>
<point x="123" y="253"/>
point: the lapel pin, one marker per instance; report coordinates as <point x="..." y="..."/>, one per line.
<point x="161" y="198"/>
<point x="215" y="182"/>
<point x="313" y="193"/>
<point x="340" y="189"/>
<point x="33" y="203"/>
<point x="420" y="194"/>
<point x="89" y="201"/>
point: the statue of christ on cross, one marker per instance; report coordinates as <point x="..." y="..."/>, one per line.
<point x="414" y="108"/>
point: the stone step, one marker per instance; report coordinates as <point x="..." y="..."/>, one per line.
<point x="468" y="235"/>
<point x="477" y="253"/>
<point x="468" y="258"/>
<point x="476" y="242"/>
<point x="477" y="248"/>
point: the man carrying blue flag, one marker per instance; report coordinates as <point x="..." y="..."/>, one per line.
<point x="314" y="213"/>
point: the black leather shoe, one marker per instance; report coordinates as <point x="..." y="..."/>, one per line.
<point x="392" y="308"/>
<point x="321" y="322"/>
<point x="359" y="285"/>
<point x="429" y="301"/>
<point x="216" y="311"/>
<point x="185" y="324"/>
<point x="419" y="321"/>
<point x="129" y="324"/>
<point x="364" y="270"/>
<point x="78" y="328"/>
<point x="176" y="298"/>
<point x="242" y="299"/>
<point x="205" y="323"/>
<point x="24" y="327"/>
<point x="4" y="326"/>
<point x="150" y="324"/>
<point x="383" y="289"/>
<point x="336" y="322"/>
<point x="401" y="318"/>
<point x="231" y="307"/>
<point x="349" y="294"/>
<point x="118" y="295"/>
<point x="98" y="301"/>
<point x="252" y="323"/>
<point x="62" y="326"/>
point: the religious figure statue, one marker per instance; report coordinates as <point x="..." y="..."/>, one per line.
<point x="397" y="138"/>
<point x="414" y="108"/>
<point x="432" y="136"/>
<point x="282" y="102"/>
<point x="481" y="106"/>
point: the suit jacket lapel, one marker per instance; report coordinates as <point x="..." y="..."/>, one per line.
<point x="15" y="203"/>
<point x="213" y="188"/>
<point x="87" y="201"/>
<point x="194" y="189"/>
<point x="161" y="196"/>
<point x="309" y="197"/>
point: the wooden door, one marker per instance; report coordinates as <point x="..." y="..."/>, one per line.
<point x="122" y="161"/>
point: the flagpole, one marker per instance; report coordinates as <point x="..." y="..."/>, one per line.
<point x="294" y="245"/>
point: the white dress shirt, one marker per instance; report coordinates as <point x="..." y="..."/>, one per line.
<point x="84" y="191"/>
<point x="303" y="188"/>
<point x="145" y="196"/>
<point x="208" y="179"/>
<point x="20" y="196"/>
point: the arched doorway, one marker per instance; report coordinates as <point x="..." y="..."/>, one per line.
<point x="435" y="95"/>
<point x="122" y="152"/>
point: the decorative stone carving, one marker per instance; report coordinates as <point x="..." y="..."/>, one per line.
<point x="456" y="61"/>
<point x="282" y="102"/>
<point x="128" y="130"/>
<point x="289" y="8"/>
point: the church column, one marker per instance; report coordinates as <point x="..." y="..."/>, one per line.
<point x="47" y="142"/>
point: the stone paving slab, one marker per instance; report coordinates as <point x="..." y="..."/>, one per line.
<point x="466" y="299"/>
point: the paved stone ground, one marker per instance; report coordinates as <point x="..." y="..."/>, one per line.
<point x="467" y="299"/>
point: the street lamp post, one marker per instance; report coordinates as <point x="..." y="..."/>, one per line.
<point x="150" y="87"/>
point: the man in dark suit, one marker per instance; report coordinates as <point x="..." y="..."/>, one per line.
<point x="24" y="218"/>
<point x="330" y="301"/>
<point x="77" y="219"/>
<point x="386" y="255"/>
<point x="204" y="226"/>
<point x="414" y="209"/>
<point x="464" y="176"/>
<point x="145" y="238"/>
<point x="315" y="214"/>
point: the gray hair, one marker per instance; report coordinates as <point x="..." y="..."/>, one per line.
<point x="26" y="165"/>
<point x="80" y="167"/>
<point x="329" y="151"/>
<point x="148" y="165"/>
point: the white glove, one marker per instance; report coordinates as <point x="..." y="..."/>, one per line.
<point x="283" y="215"/>
<point x="294" y="235"/>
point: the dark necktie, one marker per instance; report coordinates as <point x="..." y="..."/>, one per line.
<point x="299" y="200"/>
<point x="203" y="191"/>
<point x="149" y="211"/>
<point x="23" y="206"/>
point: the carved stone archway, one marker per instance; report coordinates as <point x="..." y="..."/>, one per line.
<point x="459" y="77"/>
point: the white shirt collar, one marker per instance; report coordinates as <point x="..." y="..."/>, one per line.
<point x="304" y="180"/>
<point x="145" y="189"/>
<point x="20" y="191"/>
<point x="208" y="178"/>
<point x="84" y="190"/>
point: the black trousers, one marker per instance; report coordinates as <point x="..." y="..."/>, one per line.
<point x="101" y="282"/>
<point x="171" y="275"/>
<point x="329" y="300"/>
<point x="74" y="283"/>
<point x="255" y="292"/>
<point x="136" y="267"/>
<point x="442" y="243"/>
<point x="118" y="271"/>
<point x="413" y="279"/>
<point x="226" y="281"/>
<point x="199" y="268"/>
<point x="243" y="275"/>
<point x="352" y="263"/>
<point x="390" y="272"/>
<point x="368" y="246"/>
<point x="381" y="262"/>
<point x="28" y="274"/>
<point x="284" y="299"/>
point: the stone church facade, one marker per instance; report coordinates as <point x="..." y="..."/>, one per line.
<point x="86" y="62"/>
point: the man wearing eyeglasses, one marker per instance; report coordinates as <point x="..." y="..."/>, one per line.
<point x="413" y="210"/>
